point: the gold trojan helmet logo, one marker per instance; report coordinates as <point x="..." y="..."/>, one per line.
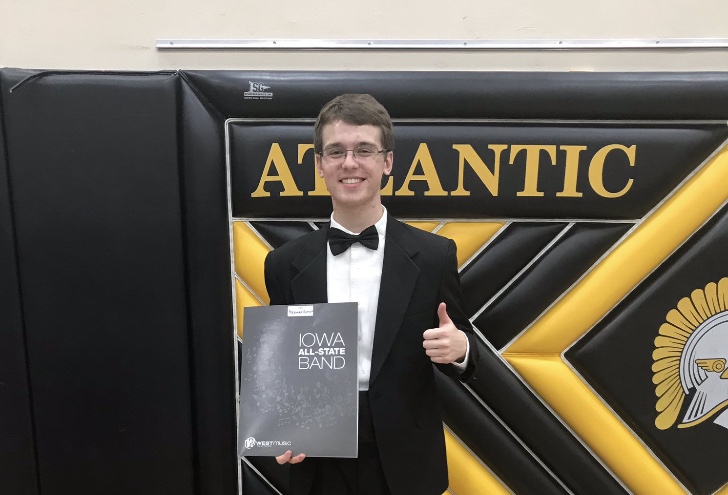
<point x="690" y="358"/>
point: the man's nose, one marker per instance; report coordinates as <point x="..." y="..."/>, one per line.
<point x="349" y="159"/>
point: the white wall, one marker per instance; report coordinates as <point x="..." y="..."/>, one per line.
<point x="100" y="34"/>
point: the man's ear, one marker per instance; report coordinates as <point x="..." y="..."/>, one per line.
<point x="388" y="162"/>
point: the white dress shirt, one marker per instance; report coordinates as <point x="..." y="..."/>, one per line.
<point x="355" y="275"/>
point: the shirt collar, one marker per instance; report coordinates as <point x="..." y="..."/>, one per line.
<point x="381" y="224"/>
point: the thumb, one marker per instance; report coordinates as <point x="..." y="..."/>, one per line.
<point x="442" y="314"/>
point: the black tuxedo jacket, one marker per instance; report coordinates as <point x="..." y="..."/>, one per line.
<point x="419" y="271"/>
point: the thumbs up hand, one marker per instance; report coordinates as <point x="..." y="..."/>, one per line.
<point x="444" y="344"/>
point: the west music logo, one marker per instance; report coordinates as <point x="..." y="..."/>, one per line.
<point x="251" y="442"/>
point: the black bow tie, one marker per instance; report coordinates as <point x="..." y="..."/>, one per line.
<point x="340" y="241"/>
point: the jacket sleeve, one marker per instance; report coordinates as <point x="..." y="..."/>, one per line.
<point x="272" y="285"/>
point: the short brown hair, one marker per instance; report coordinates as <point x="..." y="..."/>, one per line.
<point x="355" y="109"/>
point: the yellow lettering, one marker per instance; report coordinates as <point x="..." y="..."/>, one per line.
<point x="596" y="170"/>
<point x="434" y="187"/>
<point x="571" y="171"/>
<point x="466" y="154"/>
<point x="319" y="184"/>
<point x="388" y="187"/>
<point x="275" y="157"/>
<point x="533" y="152"/>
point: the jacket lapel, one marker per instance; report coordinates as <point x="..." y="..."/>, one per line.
<point x="309" y="286"/>
<point x="399" y="275"/>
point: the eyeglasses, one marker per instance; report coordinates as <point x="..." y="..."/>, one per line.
<point x="361" y="153"/>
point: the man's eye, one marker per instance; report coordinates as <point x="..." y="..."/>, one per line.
<point x="335" y="153"/>
<point x="364" y="152"/>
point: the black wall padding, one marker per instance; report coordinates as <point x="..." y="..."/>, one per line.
<point x="253" y="484"/>
<point x="278" y="233"/>
<point x="512" y="95"/>
<point x="492" y="443"/>
<point x="277" y="475"/>
<point x="17" y="460"/>
<point x="208" y="280"/>
<point x="507" y="254"/>
<point x="543" y="433"/>
<point x="116" y="349"/>
<point x="549" y="277"/>
<point x="93" y="161"/>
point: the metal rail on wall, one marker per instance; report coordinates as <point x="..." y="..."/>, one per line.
<point x="553" y="44"/>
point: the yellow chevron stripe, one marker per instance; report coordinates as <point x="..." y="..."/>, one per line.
<point x="426" y="226"/>
<point x="469" y="236"/>
<point x="536" y="355"/>
<point x="249" y="252"/>
<point x="596" y="424"/>
<point x="467" y="474"/>
<point x="644" y="250"/>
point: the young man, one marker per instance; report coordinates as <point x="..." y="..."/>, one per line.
<point x="410" y="311"/>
